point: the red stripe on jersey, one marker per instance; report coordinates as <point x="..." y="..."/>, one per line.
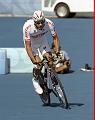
<point x="27" y="40"/>
<point x="27" y="36"/>
<point x="50" y="24"/>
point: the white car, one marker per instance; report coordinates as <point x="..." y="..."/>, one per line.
<point x="63" y="8"/>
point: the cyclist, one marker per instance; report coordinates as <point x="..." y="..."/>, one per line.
<point x="61" y="61"/>
<point x="34" y="35"/>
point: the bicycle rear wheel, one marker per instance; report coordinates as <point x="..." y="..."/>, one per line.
<point x="45" y="96"/>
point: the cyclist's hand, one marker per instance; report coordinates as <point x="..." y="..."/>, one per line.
<point x="36" y="63"/>
<point x="57" y="54"/>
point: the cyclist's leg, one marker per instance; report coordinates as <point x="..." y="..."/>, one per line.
<point x="49" y="58"/>
<point x="52" y="67"/>
<point x="45" y="50"/>
<point x="61" y="69"/>
<point x="36" y="72"/>
<point x="37" y="87"/>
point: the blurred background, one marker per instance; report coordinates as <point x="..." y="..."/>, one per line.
<point x="51" y="8"/>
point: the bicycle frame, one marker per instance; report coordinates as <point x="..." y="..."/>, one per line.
<point x="55" y="85"/>
<point x="49" y="82"/>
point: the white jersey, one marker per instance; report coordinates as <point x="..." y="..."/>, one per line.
<point x="37" y="36"/>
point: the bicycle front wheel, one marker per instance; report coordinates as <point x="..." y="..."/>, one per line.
<point x="58" y="89"/>
<point x="45" y="97"/>
<point x="61" y="94"/>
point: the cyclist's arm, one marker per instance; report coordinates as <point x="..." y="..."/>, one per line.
<point x="28" y="47"/>
<point x="54" y="35"/>
<point x="27" y="41"/>
<point x="56" y="42"/>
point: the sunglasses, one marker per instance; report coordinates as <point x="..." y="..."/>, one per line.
<point x="40" y="22"/>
